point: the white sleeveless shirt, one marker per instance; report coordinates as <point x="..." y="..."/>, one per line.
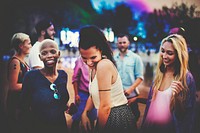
<point x="117" y="94"/>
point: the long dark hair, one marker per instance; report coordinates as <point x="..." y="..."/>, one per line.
<point x="91" y="35"/>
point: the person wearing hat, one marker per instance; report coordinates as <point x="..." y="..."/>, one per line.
<point x="45" y="30"/>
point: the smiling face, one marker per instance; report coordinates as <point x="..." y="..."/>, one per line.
<point x="168" y="53"/>
<point x="50" y="32"/>
<point x="49" y="53"/>
<point x="91" y="56"/>
<point x="26" y="46"/>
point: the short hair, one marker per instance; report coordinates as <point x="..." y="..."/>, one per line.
<point x="17" y="39"/>
<point x="43" y="25"/>
<point x="123" y="35"/>
<point x="48" y="42"/>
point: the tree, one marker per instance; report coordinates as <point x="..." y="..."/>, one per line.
<point x="160" y="21"/>
<point x="123" y="18"/>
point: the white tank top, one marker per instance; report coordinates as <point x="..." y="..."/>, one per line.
<point x="117" y="94"/>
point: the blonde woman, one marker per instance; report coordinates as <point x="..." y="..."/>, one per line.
<point x="170" y="105"/>
<point x="17" y="67"/>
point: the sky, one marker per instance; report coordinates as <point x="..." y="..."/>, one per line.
<point x="145" y="5"/>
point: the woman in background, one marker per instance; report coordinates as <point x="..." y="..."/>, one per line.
<point x="17" y="67"/>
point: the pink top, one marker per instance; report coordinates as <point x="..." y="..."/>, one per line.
<point x="81" y="75"/>
<point x="159" y="110"/>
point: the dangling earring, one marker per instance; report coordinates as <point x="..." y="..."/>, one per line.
<point x="104" y="57"/>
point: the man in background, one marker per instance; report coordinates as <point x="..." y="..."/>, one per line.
<point x="45" y="30"/>
<point x="130" y="67"/>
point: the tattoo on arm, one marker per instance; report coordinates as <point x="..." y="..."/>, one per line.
<point x="105" y="90"/>
<point x="14" y="66"/>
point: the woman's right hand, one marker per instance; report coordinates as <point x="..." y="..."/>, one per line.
<point x="86" y="122"/>
<point x="77" y="99"/>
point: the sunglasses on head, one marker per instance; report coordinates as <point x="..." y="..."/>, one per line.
<point x="56" y="94"/>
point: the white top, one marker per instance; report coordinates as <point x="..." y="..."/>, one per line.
<point x="117" y="94"/>
<point x="34" y="59"/>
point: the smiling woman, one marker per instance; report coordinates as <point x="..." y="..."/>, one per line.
<point x="173" y="90"/>
<point x="106" y="91"/>
<point x="44" y="94"/>
<point x="17" y="67"/>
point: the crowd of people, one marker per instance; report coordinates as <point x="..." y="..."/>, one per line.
<point x="105" y="86"/>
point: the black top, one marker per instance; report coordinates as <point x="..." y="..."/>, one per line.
<point x="38" y="98"/>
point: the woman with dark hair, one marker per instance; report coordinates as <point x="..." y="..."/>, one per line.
<point x="105" y="86"/>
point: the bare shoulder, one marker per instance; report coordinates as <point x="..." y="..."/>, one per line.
<point x="106" y="67"/>
<point x="105" y="64"/>
<point x="14" y="65"/>
<point x="14" y="62"/>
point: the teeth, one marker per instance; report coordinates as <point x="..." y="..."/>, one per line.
<point x="50" y="61"/>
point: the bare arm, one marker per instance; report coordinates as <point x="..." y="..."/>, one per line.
<point x="104" y="84"/>
<point x="70" y="86"/>
<point x="77" y="97"/>
<point x="133" y="86"/>
<point x="14" y="69"/>
<point x="76" y="79"/>
<point x="84" y="117"/>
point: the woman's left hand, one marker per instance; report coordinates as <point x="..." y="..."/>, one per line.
<point x="85" y="123"/>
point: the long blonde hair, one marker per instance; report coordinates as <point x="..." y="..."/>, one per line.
<point x="181" y="63"/>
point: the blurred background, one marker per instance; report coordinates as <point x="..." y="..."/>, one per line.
<point x="146" y="21"/>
